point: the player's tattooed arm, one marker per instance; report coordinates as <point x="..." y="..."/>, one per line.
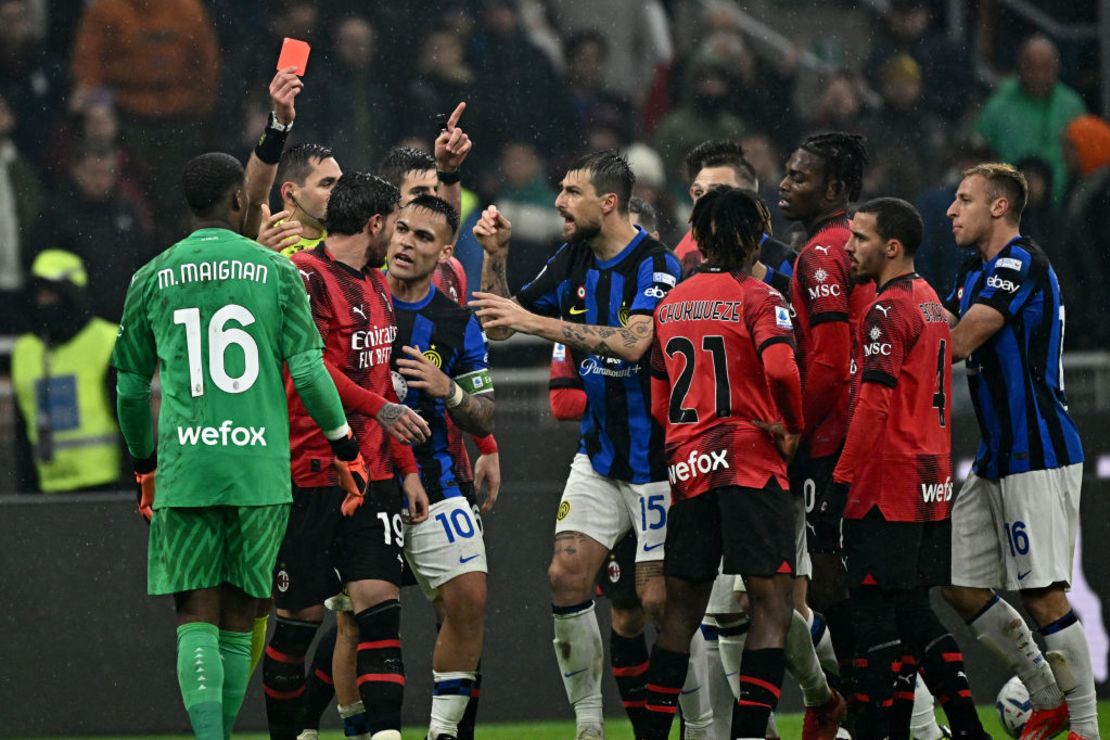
<point x="473" y="414"/>
<point x="629" y="342"/>
<point x="402" y="423"/>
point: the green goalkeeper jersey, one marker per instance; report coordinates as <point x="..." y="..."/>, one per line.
<point x="219" y="315"/>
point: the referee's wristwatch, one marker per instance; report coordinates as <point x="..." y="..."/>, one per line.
<point x="282" y="127"/>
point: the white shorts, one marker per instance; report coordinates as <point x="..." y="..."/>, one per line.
<point x="722" y="599"/>
<point x="447" y="544"/>
<point x="1017" y="532"/>
<point x="604" y="509"/>
<point x="803" y="565"/>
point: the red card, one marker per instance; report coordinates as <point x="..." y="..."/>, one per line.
<point x="294" y="53"/>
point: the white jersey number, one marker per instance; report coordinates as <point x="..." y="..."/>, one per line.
<point x="220" y="337"/>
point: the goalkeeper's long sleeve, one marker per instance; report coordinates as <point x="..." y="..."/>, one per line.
<point x="133" y="408"/>
<point x="317" y="391"/>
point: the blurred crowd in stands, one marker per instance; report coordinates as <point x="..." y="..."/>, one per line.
<point x="102" y="102"/>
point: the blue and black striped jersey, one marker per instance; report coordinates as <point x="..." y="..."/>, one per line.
<point x="451" y="338"/>
<point x="1017" y="378"/>
<point x="617" y="431"/>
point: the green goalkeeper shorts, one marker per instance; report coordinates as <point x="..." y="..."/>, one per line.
<point x="203" y="547"/>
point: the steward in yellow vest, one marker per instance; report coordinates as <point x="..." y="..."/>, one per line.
<point x="62" y="384"/>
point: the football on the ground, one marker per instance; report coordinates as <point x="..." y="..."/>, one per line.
<point x="1013" y="706"/>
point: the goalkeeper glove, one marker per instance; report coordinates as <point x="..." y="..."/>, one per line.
<point x="350" y="470"/>
<point x="144" y="477"/>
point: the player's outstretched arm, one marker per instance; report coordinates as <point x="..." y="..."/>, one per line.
<point x="980" y="323"/>
<point x="630" y="342"/>
<point x="263" y="161"/>
<point x="317" y="391"/>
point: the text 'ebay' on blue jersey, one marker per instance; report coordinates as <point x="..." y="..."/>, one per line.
<point x="617" y="431"/>
<point x="1016" y="377"/>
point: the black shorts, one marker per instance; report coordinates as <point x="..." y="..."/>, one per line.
<point x="897" y="555"/>
<point x="408" y="578"/>
<point x="616" y="578"/>
<point x="811" y="478"/>
<point x="752" y="528"/>
<point x="323" y="549"/>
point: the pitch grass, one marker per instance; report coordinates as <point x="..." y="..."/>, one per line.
<point x="790" y="728"/>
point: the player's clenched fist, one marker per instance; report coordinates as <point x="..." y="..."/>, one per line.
<point x="403" y="424"/>
<point x="350" y="469"/>
<point x="493" y="230"/>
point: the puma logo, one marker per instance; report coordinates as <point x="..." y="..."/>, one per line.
<point x="359" y="311"/>
<point x="884" y="309"/>
<point x="822" y="250"/>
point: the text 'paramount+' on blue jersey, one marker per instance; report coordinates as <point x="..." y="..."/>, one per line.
<point x="1017" y="377"/>
<point x="451" y="338"/>
<point x="617" y="431"/>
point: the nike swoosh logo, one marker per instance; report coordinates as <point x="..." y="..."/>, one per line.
<point x="466" y="560"/>
<point x="1021" y="576"/>
<point x="731" y="674"/>
<point x="649" y="548"/>
<point x="690" y="691"/>
<point x="575" y="673"/>
<point x="577" y="311"/>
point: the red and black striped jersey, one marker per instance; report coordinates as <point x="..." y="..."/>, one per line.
<point x="354" y="314"/>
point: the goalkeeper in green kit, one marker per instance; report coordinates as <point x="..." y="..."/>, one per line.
<point x="219" y="316"/>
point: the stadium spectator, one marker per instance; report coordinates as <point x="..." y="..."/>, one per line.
<point x="65" y="425"/>
<point x="350" y="99"/>
<point x="90" y="216"/>
<point x="32" y="79"/>
<point x="1082" y="265"/>
<point x="839" y="105"/>
<point x="587" y="61"/>
<point x="511" y="67"/>
<point x="907" y="29"/>
<point x="525" y="200"/>
<point x="443" y="78"/>
<point x="162" y="63"/>
<point x="703" y="114"/>
<point x="905" y="138"/>
<point x="1027" y="114"/>
<point x="20" y="202"/>
<point x="938" y="258"/>
<point x="1041" y="219"/>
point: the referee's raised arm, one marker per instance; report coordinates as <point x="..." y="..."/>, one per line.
<point x="263" y="162"/>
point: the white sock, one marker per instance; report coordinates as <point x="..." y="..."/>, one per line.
<point x="450" y="695"/>
<point x="801" y="661"/>
<point x="579" y="653"/>
<point x="824" y="645"/>
<point x="697" y="711"/>
<point x="351" y="710"/>
<point x="731" y="636"/>
<point x="1002" y="631"/>
<point x="923" y="721"/>
<point x="1070" y="660"/>
<point x="721" y="698"/>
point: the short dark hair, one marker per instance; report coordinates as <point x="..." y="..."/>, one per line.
<point x="719" y="153"/>
<point x="401" y="160"/>
<point x="296" y="161"/>
<point x="609" y="173"/>
<point x="355" y="199"/>
<point x="845" y="156"/>
<point x="728" y="224"/>
<point x="1004" y="180"/>
<point x="440" y="206"/>
<point x="896" y="219"/>
<point x="649" y="219"/>
<point x="207" y="180"/>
